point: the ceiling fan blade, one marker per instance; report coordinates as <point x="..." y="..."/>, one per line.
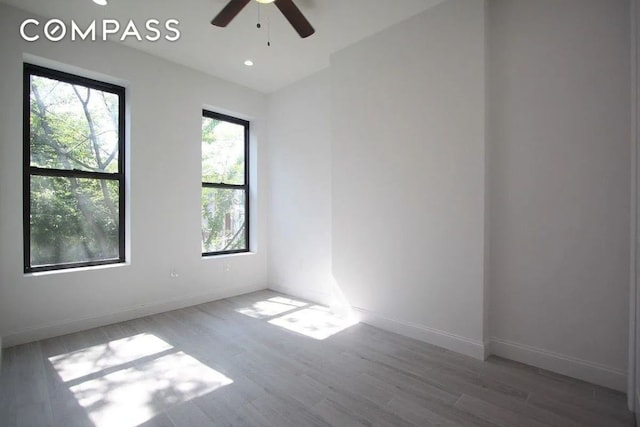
<point x="295" y="17"/>
<point x="229" y="12"/>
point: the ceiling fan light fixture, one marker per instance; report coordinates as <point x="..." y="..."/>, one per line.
<point x="100" y="2"/>
<point x="286" y="7"/>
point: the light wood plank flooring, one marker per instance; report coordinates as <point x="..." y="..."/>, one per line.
<point x="231" y="362"/>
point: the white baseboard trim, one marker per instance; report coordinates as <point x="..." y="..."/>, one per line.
<point x="76" y="325"/>
<point x="457" y="343"/>
<point x="560" y="363"/>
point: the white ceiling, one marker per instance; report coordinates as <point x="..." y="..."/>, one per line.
<point x="222" y="51"/>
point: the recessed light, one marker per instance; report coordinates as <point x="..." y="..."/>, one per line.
<point x="100" y="2"/>
<point x="248" y="63"/>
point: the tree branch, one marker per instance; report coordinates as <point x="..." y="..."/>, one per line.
<point x="96" y="149"/>
<point x="81" y="198"/>
<point x="235" y="236"/>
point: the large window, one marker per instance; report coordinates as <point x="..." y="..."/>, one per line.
<point x="225" y="184"/>
<point x="74" y="183"/>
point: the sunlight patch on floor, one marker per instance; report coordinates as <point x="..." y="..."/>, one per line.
<point x="93" y="359"/>
<point x="289" y="301"/>
<point x="127" y="382"/>
<point x="267" y="308"/>
<point x="314" y="321"/>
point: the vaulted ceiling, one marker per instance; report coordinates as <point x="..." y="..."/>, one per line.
<point x="222" y="51"/>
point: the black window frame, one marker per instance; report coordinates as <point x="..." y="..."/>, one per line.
<point x="29" y="171"/>
<point x="247" y="212"/>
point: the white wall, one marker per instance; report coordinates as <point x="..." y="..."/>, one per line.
<point x="299" y="162"/>
<point x="559" y="182"/>
<point x="408" y="116"/>
<point x="165" y="102"/>
<point x="399" y="115"/>
<point x="412" y="181"/>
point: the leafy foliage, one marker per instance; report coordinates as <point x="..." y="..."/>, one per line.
<point x="223" y="209"/>
<point x="76" y="219"/>
<point x="73" y="128"/>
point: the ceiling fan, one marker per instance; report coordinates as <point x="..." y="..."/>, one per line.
<point x="287" y="7"/>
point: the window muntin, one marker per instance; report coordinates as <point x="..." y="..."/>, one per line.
<point x="225" y="184"/>
<point x="73" y="171"/>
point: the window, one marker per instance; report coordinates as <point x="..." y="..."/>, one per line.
<point x="74" y="182"/>
<point x="225" y="184"/>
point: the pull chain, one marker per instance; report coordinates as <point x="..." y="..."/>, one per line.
<point x="268" y="30"/>
<point x="259" y="25"/>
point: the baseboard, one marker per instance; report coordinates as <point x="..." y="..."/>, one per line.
<point x="560" y="363"/>
<point x="76" y="325"/>
<point x="457" y="343"/>
<point x="466" y="346"/>
<point x="307" y="294"/>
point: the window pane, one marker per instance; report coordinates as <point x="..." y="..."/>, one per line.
<point x="73" y="127"/>
<point x="223" y="220"/>
<point x="222" y="152"/>
<point x="73" y="220"/>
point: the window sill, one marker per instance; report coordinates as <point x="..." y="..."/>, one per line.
<point x="76" y="269"/>
<point x="226" y="256"/>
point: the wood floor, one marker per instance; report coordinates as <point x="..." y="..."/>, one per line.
<point x="234" y="362"/>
